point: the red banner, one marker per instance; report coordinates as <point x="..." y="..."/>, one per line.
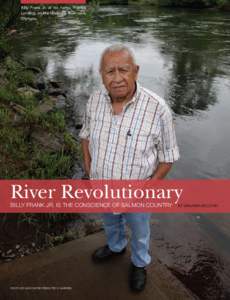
<point x="53" y="1"/>
<point x="185" y="196"/>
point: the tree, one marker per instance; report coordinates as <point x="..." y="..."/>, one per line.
<point x="10" y="11"/>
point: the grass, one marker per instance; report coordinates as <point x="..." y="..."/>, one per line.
<point x="51" y="165"/>
<point x="22" y="156"/>
<point x="16" y="73"/>
<point x="54" y="121"/>
<point x="4" y="116"/>
<point x="7" y="95"/>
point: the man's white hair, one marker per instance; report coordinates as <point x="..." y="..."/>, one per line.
<point x="117" y="48"/>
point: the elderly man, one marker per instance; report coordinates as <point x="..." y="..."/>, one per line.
<point x="127" y="133"/>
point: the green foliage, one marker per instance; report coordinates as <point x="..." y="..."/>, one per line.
<point x="71" y="144"/>
<point x="93" y="6"/>
<point x="6" y="94"/>
<point x="4" y="116"/>
<point x="10" y="10"/>
<point x="22" y="157"/>
<point x="51" y="165"/>
<point x="183" y="3"/>
<point x="21" y="154"/>
<point x="26" y="78"/>
<point x="9" y="95"/>
<point x="53" y="121"/>
<point x="48" y="220"/>
<point x="28" y="218"/>
<point x="187" y="3"/>
<point x="57" y="120"/>
<point x="90" y="12"/>
<point x="32" y="116"/>
<point x="5" y="48"/>
<point x="17" y="74"/>
<point x="222" y="3"/>
<point x="13" y="148"/>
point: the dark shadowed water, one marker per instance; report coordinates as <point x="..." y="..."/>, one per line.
<point x="184" y="56"/>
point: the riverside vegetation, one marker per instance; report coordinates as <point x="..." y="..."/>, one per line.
<point x="222" y="4"/>
<point x="189" y="3"/>
<point x="33" y="136"/>
<point x="35" y="143"/>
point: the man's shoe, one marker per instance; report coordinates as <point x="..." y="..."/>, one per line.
<point x="137" y="278"/>
<point x="104" y="254"/>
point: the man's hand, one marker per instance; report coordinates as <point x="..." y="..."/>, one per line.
<point x="162" y="170"/>
<point x="86" y="156"/>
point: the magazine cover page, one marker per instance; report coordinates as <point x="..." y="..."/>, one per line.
<point x="114" y="149"/>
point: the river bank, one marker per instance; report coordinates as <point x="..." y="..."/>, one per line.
<point x="38" y="138"/>
<point x="190" y="4"/>
<point x="34" y="136"/>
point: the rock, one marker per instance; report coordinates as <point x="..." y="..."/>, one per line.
<point x="16" y="118"/>
<point x="12" y="31"/>
<point x="8" y="255"/>
<point x="57" y="102"/>
<point x="92" y="227"/>
<point x="27" y="252"/>
<point x="41" y="83"/>
<point x="55" y="84"/>
<point x="17" y="247"/>
<point x="21" y="250"/>
<point x="2" y="72"/>
<point x="34" y="69"/>
<point x="11" y="256"/>
<point x="47" y="140"/>
<point x="77" y="171"/>
<point x="33" y="245"/>
<point x="28" y="91"/>
<point x="55" y="88"/>
<point x="61" y="101"/>
<point x="55" y="91"/>
<point x="18" y="108"/>
<point x="70" y="235"/>
<point x="46" y="106"/>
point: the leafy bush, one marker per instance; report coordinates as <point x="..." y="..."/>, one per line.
<point x="223" y="2"/>
<point x="188" y="3"/>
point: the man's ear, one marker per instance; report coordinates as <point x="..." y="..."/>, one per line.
<point x="136" y="70"/>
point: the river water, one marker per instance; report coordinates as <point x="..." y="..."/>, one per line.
<point x="184" y="56"/>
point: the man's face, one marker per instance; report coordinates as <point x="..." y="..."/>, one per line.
<point x="119" y="74"/>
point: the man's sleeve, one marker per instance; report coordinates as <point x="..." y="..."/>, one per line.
<point x="168" y="151"/>
<point x="85" y="130"/>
